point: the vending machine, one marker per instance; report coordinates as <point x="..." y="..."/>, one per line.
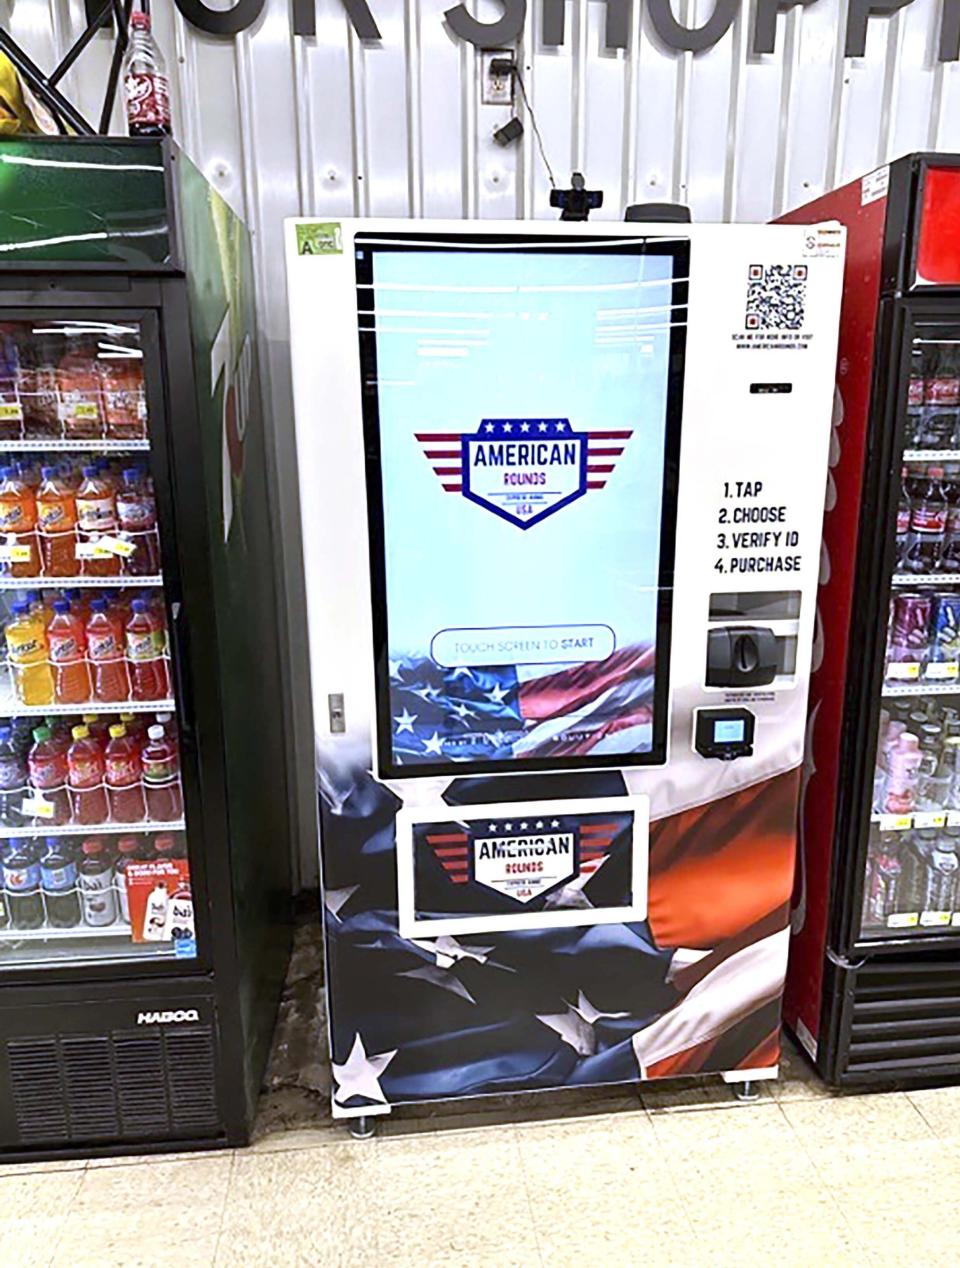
<point x="144" y="849"/>
<point x="874" y="985"/>
<point x="562" y="489"/>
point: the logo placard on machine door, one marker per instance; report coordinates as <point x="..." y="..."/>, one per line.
<point x="523" y="469"/>
<point x="518" y="865"/>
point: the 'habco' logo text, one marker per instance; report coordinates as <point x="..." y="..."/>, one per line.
<point x="167" y="1016"/>
<point x="523" y="469"/>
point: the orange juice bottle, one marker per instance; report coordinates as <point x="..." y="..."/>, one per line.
<point x="57" y="521"/>
<point x="96" y="516"/>
<point x="18" y="524"/>
<point x="28" y="654"/>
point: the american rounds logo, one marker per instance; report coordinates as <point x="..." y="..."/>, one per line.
<point x="523" y="469"/>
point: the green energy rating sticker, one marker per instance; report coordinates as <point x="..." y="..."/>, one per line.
<point x="320" y="237"/>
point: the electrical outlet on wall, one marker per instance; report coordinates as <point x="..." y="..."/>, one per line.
<point x="495" y="90"/>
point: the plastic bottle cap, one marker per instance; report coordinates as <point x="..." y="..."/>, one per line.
<point x="155" y="732"/>
<point x="131" y="474"/>
<point x="92" y="846"/>
<point x="5" y="733"/>
<point x="90" y="717"/>
<point x="139" y="605"/>
<point x="128" y="845"/>
<point x="117" y="731"/>
<point x="41" y="733"/>
<point x="164" y="843"/>
<point x="61" y="605"/>
<point x="81" y="733"/>
<point x="6" y="473"/>
<point x="90" y="472"/>
<point x="48" y="473"/>
<point x="98" y="605"/>
<point x="32" y="596"/>
<point x="21" y="607"/>
<point x="127" y="717"/>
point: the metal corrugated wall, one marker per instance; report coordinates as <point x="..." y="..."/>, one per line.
<point x="330" y="126"/>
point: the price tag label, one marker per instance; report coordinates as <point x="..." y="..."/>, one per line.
<point x="955" y="920"/>
<point x="11" y="413"/>
<point x="953" y="818"/>
<point x="14" y="553"/>
<point x="37" y="806"/>
<point x="903" y="920"/>
<point x="116" y="546"/>
<point x="903" y="670"/>
<point x="86" y="411"/>
<point x="934" y="919"/>
<point x="92" y="550"/>
<point x="942" y="671"/>
<point x="896" y="823"/>
<point x="929" y="818"/>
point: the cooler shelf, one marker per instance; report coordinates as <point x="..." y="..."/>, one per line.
<point x="926" y="579"/>
<point x="118" y="929"/>
<point x="931" y="455"/>
<point x="95" y="829"/>
<point x="11" y="708"/>
<point x="69" y="583"/>
<point x="51" y="444"/>
<point x="915" y="689"/>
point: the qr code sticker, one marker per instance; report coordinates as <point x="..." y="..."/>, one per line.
<point x="776" y="294"/>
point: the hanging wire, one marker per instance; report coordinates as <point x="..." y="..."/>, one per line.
<point x="536" y="130"/>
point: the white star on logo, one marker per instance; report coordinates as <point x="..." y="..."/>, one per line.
<point x="508" y="827"/>
<point x="434" y="745"/>
<point x="523" y="827"/>
<point x="542" y="427"/>
<point x="524" y="426"/>
<point x="489" y="427"/>
<point x="555" y="823"/>
<point x="539" y="823"/>
<point x="507" y="427"/>
<point x="492" y="827"/>
<point x="405" y="721"/>
<point x="497" y="694"/>
<point x="360" y="1075"/>
<point x="561" y="426"/>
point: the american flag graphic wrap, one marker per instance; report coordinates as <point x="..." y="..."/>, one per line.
<point x="506" y="711"/>
<point x="694" y="988"/>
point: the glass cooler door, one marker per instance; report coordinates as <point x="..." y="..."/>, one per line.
<point x="913" y="857"/>
<point x="93" y="847"/>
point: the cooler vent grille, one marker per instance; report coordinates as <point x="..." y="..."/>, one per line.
<point x="152" y="1084"/>
<point x="905" y="1019"/>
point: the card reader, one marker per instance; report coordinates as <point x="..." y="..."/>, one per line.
<point x="724" y="733"/>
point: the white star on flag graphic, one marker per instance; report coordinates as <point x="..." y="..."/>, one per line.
<point x="334" y="899"/>
<point x="497" y="694"/>
<point x="360" y="1075"/>
<point x="405" y="722"/>
<point x="575" y="1026"/>
<point x="434" y="745"/>
<point x="444" y="978"/>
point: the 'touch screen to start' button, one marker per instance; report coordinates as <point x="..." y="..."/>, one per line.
<point x="522" y="645"/>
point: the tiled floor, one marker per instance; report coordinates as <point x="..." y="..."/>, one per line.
<point x="683" y="1176"/>
<point x="680" y="1174"/>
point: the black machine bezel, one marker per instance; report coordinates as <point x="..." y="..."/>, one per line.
<point x="678" y="248"/>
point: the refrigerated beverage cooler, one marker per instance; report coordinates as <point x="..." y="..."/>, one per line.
<point x="144" y="851"/>
<point x="560" y="585"/>
<point x="874" y="986"/>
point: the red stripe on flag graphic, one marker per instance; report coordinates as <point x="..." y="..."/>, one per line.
<point x="441" y="838"/>
<point x="448" y="471"/>
<point x="590" y="827"/>
<point x="451" y="852"/>
<point x="453" y="488"/>
<point x="596" y="484"/>
<point x="442" y="453"/>
<point x="596" y="451"/>
<point x="428" y="437"/>
<point x="608" y="435"/>
<point x="599" y="467"/>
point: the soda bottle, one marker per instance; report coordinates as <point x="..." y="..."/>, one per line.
<point x="67" y="641"/>
<point x="96" y="518"/>
<point x="161" y="777"/>
<point x="137" y="727"/>
<point x="146" y="643"/>
<point x="38" y="392"/>
<point x="943" y="863"/>
<point x="934" y="781"/>
<point x="903" y="768"/>
<point x="60" y="736"/>
<point x="928" y="521"/>
<point x="146" y="90"/>
<point x="124" y="773"/>
<point x="86" y="772"/>
<point x="78" y="380"/>
<point x="98" y="727"/>
<point x="11" y="411"/>
<point x="129" y="850"/>
<point x="123" y="398"/>
<point x="79" y="601"/>
<point x="21" y="736"/>
<point x="903" y="522"/>
<point x="180" y="923"/>
<point x="13" y="781"/>
<point x="950" y="552"/>
<point x="57" y="525"/>
<point x="59" y="880"/>
<point x="28" y="656"/>
<point x="169" y="724"/>
<point x="137" y="513"/>
<point x="18" y="525"/>
<point x="941" y="400"/>
<point x="21" y="880"/>
<point x="909" y="638"/>
<point x="111" y="681"/>
<point x="98" y="899"/>
<point x="47" y="767"/>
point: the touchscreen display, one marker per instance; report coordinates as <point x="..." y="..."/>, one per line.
<point x="522" y="419"/>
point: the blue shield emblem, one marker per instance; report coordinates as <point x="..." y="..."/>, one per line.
<point x="524" y="469"/>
